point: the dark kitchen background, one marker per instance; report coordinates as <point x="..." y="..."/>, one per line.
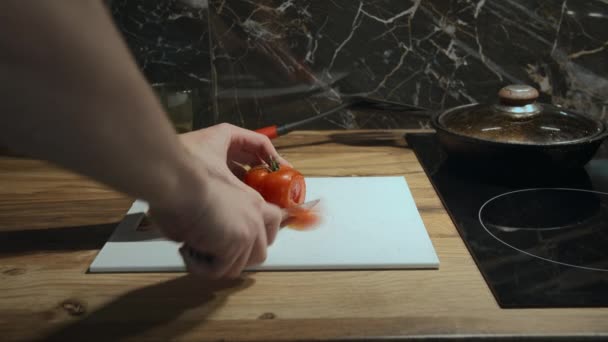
<point x="255" y="63"/>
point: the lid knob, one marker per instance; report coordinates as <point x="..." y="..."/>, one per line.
<point x="517" y="95"/>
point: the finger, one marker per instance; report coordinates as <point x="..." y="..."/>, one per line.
<point x="247" y="190"/>
<point x="194" y="263"/>
<point x="214" y="267"/>
<point x="222" y="267"/>
<point x="247" y="146"/>
<point x="273" y="216"/>
<point x="238" y="169"/>
<point x="248" y="157"/>
<point x="259" y="253"/>
<point x="240" y="264"/>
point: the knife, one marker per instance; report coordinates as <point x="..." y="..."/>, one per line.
<point x="190" y="255"/>
<point x="354" y="101"/>
<point x="289" y="212"/>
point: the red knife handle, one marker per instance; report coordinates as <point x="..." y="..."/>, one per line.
<point x="269" y="131"/>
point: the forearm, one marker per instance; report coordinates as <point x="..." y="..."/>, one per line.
<point x="71" y="93"/>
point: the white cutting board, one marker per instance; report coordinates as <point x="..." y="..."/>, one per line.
<point x="368" y="223"/>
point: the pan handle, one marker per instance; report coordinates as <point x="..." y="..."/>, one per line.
<point x="360" y="102"/>
<point x="368" y="102"/>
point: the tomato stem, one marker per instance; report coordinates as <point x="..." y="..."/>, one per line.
<point x="274" y="165"/>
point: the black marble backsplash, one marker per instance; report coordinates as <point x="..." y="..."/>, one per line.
<point x="254" y="63"/>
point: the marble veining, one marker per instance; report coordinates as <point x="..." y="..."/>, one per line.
<point x="276" y="61"/>
<point x="169" y="39"/>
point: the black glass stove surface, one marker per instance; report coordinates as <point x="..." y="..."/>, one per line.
<point x="538" y="241"/>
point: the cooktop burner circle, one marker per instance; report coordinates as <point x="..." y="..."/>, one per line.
<point x="564" y="226"/>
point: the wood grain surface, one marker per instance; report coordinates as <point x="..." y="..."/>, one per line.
<point x="52" y="224"/>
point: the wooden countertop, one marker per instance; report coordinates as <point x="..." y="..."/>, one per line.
<point x="52" y="224"/>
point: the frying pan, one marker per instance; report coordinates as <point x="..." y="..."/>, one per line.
<point x="516" y="133"/>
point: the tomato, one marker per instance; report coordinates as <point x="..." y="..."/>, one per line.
<point x="301" y="219"/>
<point x="278" y="184"/>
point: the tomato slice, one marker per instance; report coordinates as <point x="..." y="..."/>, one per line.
<point x="303" y="219"/>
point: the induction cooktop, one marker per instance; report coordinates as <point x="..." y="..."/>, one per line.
<point x="539" y="241"/>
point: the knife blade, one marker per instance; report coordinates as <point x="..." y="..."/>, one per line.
<point x="306" y="206"/>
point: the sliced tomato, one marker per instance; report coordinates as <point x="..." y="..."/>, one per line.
<point x="303" y="219"/>
<point x="278" y="184"/>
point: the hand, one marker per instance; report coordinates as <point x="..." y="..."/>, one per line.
<point x="223" y="218"/>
